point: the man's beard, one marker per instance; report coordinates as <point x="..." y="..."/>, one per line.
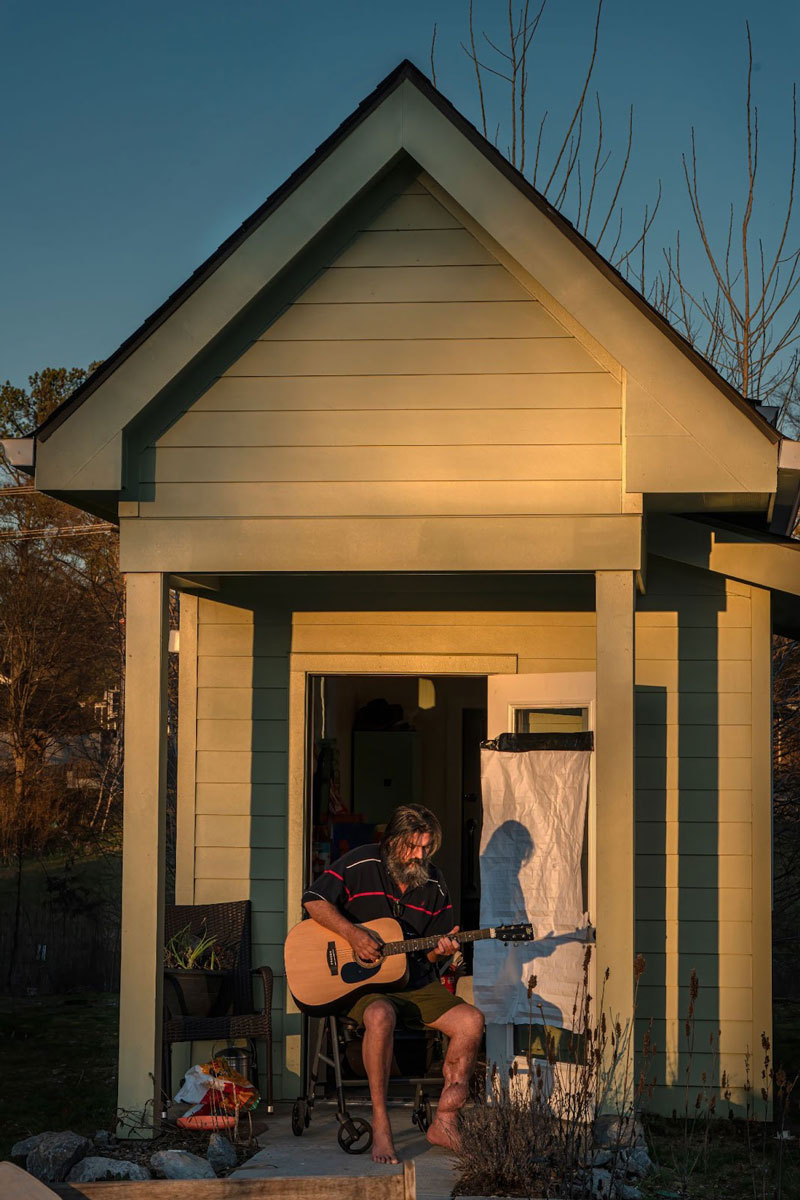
<point x="412" y="873"/>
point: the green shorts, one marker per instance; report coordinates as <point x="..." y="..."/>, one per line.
<point x="415" y="1007"/>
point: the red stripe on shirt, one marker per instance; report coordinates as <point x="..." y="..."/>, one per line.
<point x="328" y="871"/>
<point x="428" y="911"/>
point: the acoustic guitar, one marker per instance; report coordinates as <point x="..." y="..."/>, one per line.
<point x="325" y="975"/>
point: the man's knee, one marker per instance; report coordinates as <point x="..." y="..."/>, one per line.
<point x="379" y="1017"/>
<point x="470" y="1020"/>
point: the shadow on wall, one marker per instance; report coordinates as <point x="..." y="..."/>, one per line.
<point x="511" y="848"/>
<point x="678" y="914"/>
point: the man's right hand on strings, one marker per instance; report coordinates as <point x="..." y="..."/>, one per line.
<point x="365" y="946"/>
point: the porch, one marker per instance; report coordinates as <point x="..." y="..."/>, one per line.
<point x="249" y="647"/>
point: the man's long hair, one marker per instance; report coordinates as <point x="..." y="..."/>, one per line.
<point x="406" y="821"/>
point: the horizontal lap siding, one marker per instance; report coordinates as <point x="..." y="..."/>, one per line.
<point x="241" y="772"/>
<point x="539" y="641"/>
<point x="415" y="376"/>
<point x="694" y="830"/>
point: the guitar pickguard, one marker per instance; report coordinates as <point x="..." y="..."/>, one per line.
<point x="355" y="972"/>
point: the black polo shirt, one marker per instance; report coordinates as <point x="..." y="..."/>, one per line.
<point x="360" y="886"/>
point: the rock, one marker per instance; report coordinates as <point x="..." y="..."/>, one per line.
<point x="626" y="1191"/>
<point x="54" y="1155"/>
<point x="95" y="1167"/>
<point x="104" y="1140"/>
<point x="613" y="1132"/>
<point x="601" y="1158"/>
<point x="600" y="1182"/>
<point x="638" y="1162"/>
<point x="180" y="1164"/>
<point x="221" y="1152"/>
<point x="22" y="1149"/>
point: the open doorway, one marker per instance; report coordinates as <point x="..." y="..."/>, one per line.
<point x="376" y="741"/>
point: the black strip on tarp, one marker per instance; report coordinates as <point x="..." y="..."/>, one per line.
<point x="520" y="743"/>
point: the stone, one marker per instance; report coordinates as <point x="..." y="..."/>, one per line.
<point x="601" y="1158"/>
<point x="612" y="1132"/>
<point x="221" y="1152"/>
<point x="95" y="1167"/>
<point x="626" y="1191"/>
<point x="180" y="1164"/>
<point x="55" y="1154"/>
<point x="22" y="1149"/>
<point x="104" y="1140"/>
<point x="637" y="1162"/>
<point x="600" y="1182"/>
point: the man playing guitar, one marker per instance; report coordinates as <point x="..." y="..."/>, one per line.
<point x="398" y="879"/>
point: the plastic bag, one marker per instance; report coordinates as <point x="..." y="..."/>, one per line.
<point x="214" y="1087"/>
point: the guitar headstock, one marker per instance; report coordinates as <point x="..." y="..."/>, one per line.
<point x="515" y="933"/>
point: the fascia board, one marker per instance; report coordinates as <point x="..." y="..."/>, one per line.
<point x="567" y="273"/>
<point x="762" y="562"/>
<point x="362" y="155"/>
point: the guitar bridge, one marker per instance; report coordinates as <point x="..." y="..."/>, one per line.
<point x="333" y="959"/>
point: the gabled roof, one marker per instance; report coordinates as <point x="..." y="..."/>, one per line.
<point x="406" y="71"/>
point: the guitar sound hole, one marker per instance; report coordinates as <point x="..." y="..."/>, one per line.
<point x="357" y="972"/>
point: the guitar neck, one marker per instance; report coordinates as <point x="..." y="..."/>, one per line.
<point x="428" y="943"/>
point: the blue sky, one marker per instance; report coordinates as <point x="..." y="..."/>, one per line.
<point x="137" y="136"/>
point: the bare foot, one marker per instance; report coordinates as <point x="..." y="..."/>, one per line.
<point x="383" y="1150"/>
<point x="443" y="1131"/>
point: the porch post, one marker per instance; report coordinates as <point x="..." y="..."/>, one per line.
<point x="614" y="759"/>
<point x="143" y="852"/>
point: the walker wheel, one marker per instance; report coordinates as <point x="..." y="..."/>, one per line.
<point x="355" y="1136"/>
<point x="300" y="1117"/>
<point x="423" y="1114"/>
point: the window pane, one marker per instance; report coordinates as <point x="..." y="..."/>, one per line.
<point x="536" y="1040"/>
<point x="550" y="720"/>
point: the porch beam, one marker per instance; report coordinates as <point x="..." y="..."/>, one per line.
<point x="761" y="559"/>
<point x="368" y="544"/>
<point x="614" y="758"/>
<point x="143" y="853"/>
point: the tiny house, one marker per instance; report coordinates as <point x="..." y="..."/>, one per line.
<point x="425" y="468"/>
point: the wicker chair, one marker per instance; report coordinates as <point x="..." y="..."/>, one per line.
<point x="231" y="923"/>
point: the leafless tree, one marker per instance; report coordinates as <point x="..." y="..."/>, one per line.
<point x="746" y="318"/>
<point x="571" y="166"/>
<point x="61" y="647"/>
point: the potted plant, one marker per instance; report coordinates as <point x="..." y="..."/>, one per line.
<point x="196" y="972"/>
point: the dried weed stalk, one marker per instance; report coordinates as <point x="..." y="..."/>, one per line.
<point x="532" y="1134"/>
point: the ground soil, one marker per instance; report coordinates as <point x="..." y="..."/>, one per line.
<point x="60" y="1070"/>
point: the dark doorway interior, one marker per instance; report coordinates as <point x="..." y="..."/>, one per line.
<point x="376" y="741"/>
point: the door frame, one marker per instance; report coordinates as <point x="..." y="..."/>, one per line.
<point x="301" y="666"/>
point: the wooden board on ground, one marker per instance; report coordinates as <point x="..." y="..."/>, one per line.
<point x="16" y="1184"/>
<point x="400" y="1186"/>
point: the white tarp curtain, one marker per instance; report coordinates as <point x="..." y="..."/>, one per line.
<point x="534" y="813"/>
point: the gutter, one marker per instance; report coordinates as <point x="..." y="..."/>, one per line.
<point x="786" y="501"/>
<point x="20" y="453"/>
